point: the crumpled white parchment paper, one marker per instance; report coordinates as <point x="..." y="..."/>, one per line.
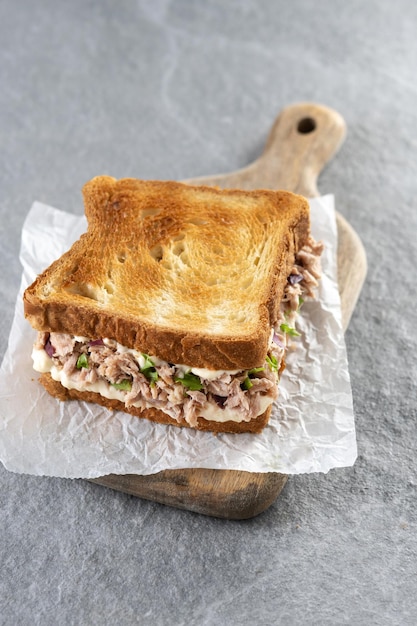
<point x="311" y="428"/>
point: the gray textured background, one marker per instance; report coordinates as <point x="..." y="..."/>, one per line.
<point x="177" y="89"/>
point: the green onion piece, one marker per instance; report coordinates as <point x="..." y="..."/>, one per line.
<point x="255" y="370"/>
<point x="82" y="361"/>
<point x="124" y="385"/>
<point x="272" y="362"/>
<point x="148" y="362"/>
<point x="150" y="373"/>
<point x="290" y="331"/>
<point x="149" y="370"/>
<point x="247" y="383"/>
<point x="191" y="381"/>
<point x="300" y="303"/>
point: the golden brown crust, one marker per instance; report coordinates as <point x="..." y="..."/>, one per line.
<point x="57" y="390"/>
<point x="192" y="275"/>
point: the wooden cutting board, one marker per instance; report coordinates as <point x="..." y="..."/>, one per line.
<point x="302" y="140"/>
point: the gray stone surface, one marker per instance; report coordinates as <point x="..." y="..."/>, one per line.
<point x="179" y="89"/>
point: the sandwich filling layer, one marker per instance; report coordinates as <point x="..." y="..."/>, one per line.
<point x="103" y="366"/>
<point x="106" y="367"/>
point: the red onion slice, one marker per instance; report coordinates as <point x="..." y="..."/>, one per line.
<point x="293" y="279"/>
<point x="278" y="341"/>
<point x="49" y="348"/>
<point x="96" y="342"/>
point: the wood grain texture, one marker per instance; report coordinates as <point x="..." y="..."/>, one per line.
<point x="218" y="493"/>
<point x="302" y="140"/>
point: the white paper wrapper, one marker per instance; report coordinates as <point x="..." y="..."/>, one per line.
<point x="311" y="428"/>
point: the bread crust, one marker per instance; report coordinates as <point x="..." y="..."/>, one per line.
<point x="54" y="388"/>
<point x="113" y="282"/>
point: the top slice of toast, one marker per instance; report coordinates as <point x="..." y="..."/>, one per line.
<point x="193" y="275"/>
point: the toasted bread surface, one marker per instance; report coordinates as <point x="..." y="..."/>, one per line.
<point x="55" y="388"/>
<point x="193" y="275"/>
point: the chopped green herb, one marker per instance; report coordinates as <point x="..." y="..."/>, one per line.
<point x="290" y="331"/>
<point x="124" y="385"/>
<point x="247" y="383"/>
<point x="82" y="361"/>
<point x="272" y="362"/>
<point x="300" y="303"/>
<point x="191" y="381"/>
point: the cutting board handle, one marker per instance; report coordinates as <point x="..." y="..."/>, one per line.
<point x="302" y="140"/>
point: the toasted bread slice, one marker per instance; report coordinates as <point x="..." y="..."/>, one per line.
<point x="193" y="275"/>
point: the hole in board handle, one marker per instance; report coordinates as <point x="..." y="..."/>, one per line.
<point x="306" y="125"/>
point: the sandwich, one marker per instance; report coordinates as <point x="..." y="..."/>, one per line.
<point x="177" y="304"/>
